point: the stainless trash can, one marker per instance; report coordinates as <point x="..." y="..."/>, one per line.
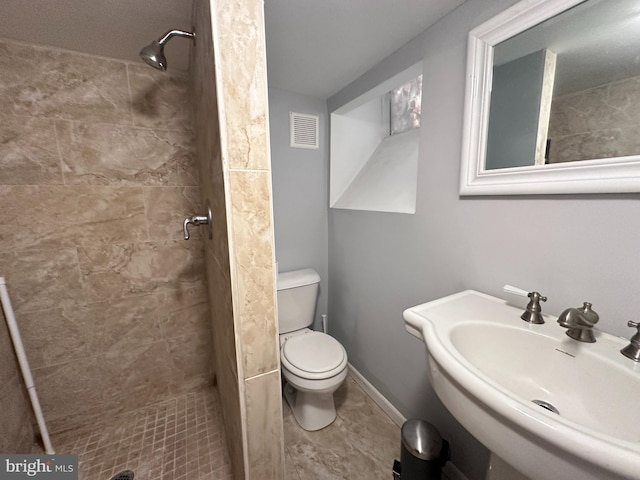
<point x="423" y="452"/>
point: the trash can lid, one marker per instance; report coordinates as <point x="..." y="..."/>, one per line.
<point x="421" y="439"/>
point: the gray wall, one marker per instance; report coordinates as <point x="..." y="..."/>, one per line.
<point x="515" y="112"/>
<point x="300" y="190"/>
<point x="571" y="248"/>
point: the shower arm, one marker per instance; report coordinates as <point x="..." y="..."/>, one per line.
<point x="175" y="33"/>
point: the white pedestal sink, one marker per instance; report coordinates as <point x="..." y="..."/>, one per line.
<point x="488" y="367"/>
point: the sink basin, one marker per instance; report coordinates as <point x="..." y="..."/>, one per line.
<point x="548" y="405"/>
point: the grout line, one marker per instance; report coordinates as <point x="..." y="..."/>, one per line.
<point x="128" y="74"/>
<point x="60" y="157"/>
<point x="146" y="212"/>
<point x="262" y="374"/>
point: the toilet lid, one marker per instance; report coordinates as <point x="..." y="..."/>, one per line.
<point x="314" y="352"/>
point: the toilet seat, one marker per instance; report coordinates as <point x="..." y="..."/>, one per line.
<point x="313" y="355"/>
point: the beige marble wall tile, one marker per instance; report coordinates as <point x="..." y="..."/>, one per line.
<point x="232" y="415"/>
<point x="42" y="279"/>
<point x="108" y="385"/>
<point x="240" y="31"/>
<point x="600" y="122"/>
<point x="17" y="434"/>
<point x="73" y="393"/>
<point x="611" y="105"/>
<point x="57" y="216"/>
<point x="104" y="154"/>
<point x="16" y="431"/>
<point x="226" y="362"/>
<point x="215" y="196"/>
<point x="134" y="376"/>
<point x="222" y="322"/>
<point x="112" y="271"/>
<point x="8" y="364"/>
<point x="204" y="95"/>
<point x="63" y="334"/>
<point x="48" y="82"/>
<point x="607" y="143"/>
<point x="194" y="383"/>
<point x="70" y="392"/>
<point x="114" y="320"/>
<point x="191" y="355"/>
<point x="28" y="151"/>
<point x="159" y="99"/>
<point x="185" y="310"/>
<point x="254" y="292"/>
<point x="264" y="426"/>
<point x="167" y="207"/>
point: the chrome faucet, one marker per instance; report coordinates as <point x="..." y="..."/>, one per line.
<point x="533" y="312"/>
<point x="632" y="350"/>
<point x="579" y="322"/>
<point x="198" y="220"/>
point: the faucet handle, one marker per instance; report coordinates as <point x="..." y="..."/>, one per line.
<point x="533" y="312"/>
<point x="198" y="220"/>
<point x="515" y="290"/>
<point x="524" y="293"/>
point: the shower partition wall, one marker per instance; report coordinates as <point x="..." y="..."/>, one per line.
<point x="230" y="98"/>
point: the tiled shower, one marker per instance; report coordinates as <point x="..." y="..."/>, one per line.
<point x="98" y="169"/>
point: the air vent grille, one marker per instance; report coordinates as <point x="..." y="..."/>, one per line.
<point x="304" y="130"/>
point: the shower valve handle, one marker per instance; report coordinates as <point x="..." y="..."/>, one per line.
<point x="197" y="220"/>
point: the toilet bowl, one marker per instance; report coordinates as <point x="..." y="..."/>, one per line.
<point x="313" y="364"/>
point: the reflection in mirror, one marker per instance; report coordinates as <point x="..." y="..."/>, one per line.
<point x="568" y="89"/>
<point x="552" y="100"/>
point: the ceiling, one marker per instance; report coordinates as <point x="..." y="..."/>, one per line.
<point x="313" y="48"/>
<point x="317" y="48"/>
<point x="594" y="43"/>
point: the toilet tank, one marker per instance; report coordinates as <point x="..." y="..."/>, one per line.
<point x="297" y="296"/>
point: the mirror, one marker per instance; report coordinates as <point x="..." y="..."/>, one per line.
<point x="553" y="100"/>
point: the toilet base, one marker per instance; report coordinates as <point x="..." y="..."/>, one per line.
<point x="312" y="411"/>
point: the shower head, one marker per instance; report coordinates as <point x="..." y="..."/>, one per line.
<point x="153" y="54"/>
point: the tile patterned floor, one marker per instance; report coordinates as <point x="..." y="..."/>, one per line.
<point x="360" y="444"/>
<point x="183" y="439"/>
<point x="178" y="439"/>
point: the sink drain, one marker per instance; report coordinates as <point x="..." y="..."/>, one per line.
<point x="546" y="406"/>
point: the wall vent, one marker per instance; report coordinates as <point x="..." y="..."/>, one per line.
<point x="304" y="130"/>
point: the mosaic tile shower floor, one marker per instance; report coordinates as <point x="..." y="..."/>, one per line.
<point x="178" y="439"/>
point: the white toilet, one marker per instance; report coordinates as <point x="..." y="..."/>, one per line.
<point x="314" y="364"/>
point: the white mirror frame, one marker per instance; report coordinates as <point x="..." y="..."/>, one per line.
<point x="607" y="175"/>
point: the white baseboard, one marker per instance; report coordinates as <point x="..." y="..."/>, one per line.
<point x="449" y="469"/>
<point x="386" y="406"/>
